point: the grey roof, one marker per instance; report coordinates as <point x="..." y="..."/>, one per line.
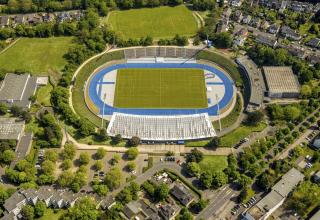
<point x="281" y="79"/>
<point x="267" y="40"/>
<point x="131" y="209"/>
<point x="255" y="78"/>
<point x="17" y="89"/>
<point x="167" y="211"/>
<point x="23" y="146"/>
<point x="288" y="32"/>
<point x="107" y="202"/>
<point x="288" y="182"/>
<point x="45" y="193"/>
<point x="317" y="174"/>
<point x="314" y="42"/>
<point x="9" y="216"/>
<point x="11" y="203"/>
<point x="181" y="193"/>
<point x="278" y="193"/>
<point x="10" y="128"/>
<point x="316" y="216"/>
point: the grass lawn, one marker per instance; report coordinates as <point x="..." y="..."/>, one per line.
<point x="49" y="214"/>
<point x="36" y="55"/>
<point x="44" y="95"/>
<point x="160" y="88"/>
<point x="241" y="132"/>
<point x="213" y="163"/>
<point x="160" y="22"/>
<point x="78" y="101"/>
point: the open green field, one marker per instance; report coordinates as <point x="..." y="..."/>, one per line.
<point x="160" y="88"/>
<point x="160" y="22"/>
<point x="213" y="163"/>
<point x="36" y="55"/>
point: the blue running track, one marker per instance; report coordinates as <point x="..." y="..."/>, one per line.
<point x="96" y="81"/>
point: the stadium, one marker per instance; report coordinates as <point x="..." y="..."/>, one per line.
<point x="160" y="94"/>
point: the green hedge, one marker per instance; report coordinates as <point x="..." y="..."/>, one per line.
<point x="78" y="100"/>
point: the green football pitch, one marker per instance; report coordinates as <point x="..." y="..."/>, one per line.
<point x="160" y="88"/>
<point x="160" y="22"/>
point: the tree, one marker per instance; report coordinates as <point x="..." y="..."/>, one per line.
<point x="51" y="155"/>
<point x="222" y="40"/>
<point x="193" y="169"/>
<point x="184" y="214"/>
<point x="219" y="178"/>
<point x="66" y="164"/>
<point x="199" y="206"/>
<point x="214" y="142"/>
<point x="101" y="152"/>
<point x="291" y="113"/>
<point x="40" y="209"/>
<point x="84" y="208"/>
<point x="116" y="158"/>
<point x="3" y="109"/>
<point x="206" y="179"/>
<point x="132" y="153"/>
<point x="48" y="167"/>
<point x="255" y="117"/>
<point x="8" y="156"/>
<point x="194" y="156"/>
<point x="162" y="192"/>
<point x="113" y="178"/>
<point x="131" y="166"/>
<point x="26" y="116"/>
<point x="85" y="128"/>
<point x="69" y="151"/>
<point x="134" y="141"/>
<point x="116" y="139"/>
<point x="27" y="212"/>
<point x="103" y="134"/>
<point x="16" y="111"/>
<point x="65" y="179"/>
<point x="306" y="91"/>
<point x="84" y="158"/>
<point x="98" y="165"/>
<point x="244" y="181"/>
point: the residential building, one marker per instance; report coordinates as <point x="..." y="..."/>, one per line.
<point x="275" y="198"/>
<point x="316" y="143"/>
<point x="268" y="40"/>
<point x="316" y="177"/>
<point x="4" y="21"/>
<point x="168" y="211"/>
<point x="182" y="194"/>
<point x="314" y="43"/>
<point x="281" y="82"/>
<point x="274" y="28"/>
<point x="246" y="19"/>
<point x="290" y="33"/>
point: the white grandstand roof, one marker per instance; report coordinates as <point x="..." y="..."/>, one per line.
<point x="161" y="128"/>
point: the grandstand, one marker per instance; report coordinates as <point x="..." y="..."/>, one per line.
<point x="161" y="128"/>
<point x="179" y="52"/>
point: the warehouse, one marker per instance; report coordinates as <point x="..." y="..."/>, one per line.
<point x="281" y="82"/>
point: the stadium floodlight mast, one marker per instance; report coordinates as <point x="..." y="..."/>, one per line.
<point x="217" y="97"/>
<point x="104" y="103"/>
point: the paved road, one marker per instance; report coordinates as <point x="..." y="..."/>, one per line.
<point x="222" y="197"/>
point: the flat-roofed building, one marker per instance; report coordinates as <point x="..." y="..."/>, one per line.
<point x="11" y="128"/>
<point x="17" y="89"/>
<point x="256" y="83"/>
<point x="281" y="82"/>
<point x="275" y="198"/>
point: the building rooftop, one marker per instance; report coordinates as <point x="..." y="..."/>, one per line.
<point x="11" y="203"/>
<point x="11" y="128"/>
<point x="288" y="182"/>
<point x="281" y="79"/>
<point x="278" y="194"/>
<point x="256" y="80"/>
<point x="132" y="209"/>
<point x="17" y="89"/>
<point x="182" y="194"/>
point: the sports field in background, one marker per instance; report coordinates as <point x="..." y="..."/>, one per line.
<point x="160" y="88"/>
<point x="36" y="55"/>
<point x="160" y="22"/>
